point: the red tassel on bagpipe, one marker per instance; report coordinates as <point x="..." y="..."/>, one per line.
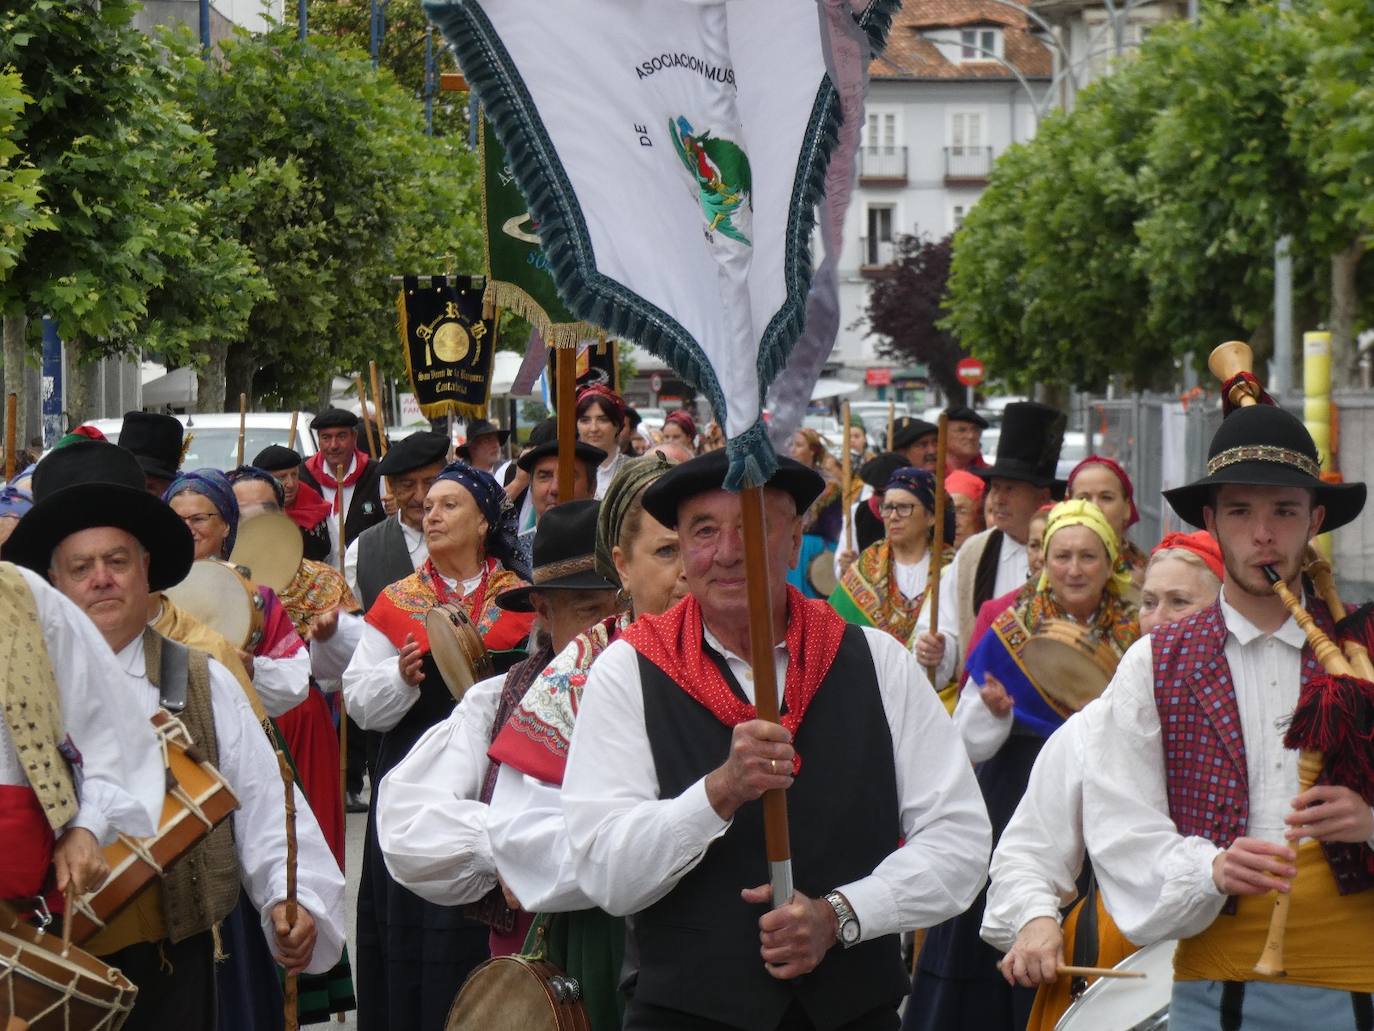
<point x="1335" y="716"/>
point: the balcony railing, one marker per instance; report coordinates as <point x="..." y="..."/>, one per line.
<point x="876" y="254"/>
<point x="879" y="165"/>
<point x="967" y="164"/>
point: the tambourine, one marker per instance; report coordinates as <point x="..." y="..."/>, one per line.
<point x="457" y="648"/>
<point x="217" y="594"/>
<point x="1069" y="663"/>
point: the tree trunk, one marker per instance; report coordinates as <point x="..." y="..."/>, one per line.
<point x="238" y="377"/>
<point x="16" y="325"/>
<point x="1345" y="302"/>
<point x="83" y="386"/>
<point x="210" y="379"/>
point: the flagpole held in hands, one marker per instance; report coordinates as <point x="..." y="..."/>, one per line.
<point x="343" y="709"/>
<point x="291" y="434"/>
<point x="243" y="424"/>
<point x="937" y="543"/>
<point x="777" y="845"/>
<point x="891" y="422"/>
<point x="565" y="367"/>
<point x="377" y="407"/>
<point x="367" y="422"/>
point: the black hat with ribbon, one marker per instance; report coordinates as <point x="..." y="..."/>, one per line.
<point x="90" y="484"/>
<point x="707" y="472"/>
<point x="564" y="555"/>
<point x="1028" y="447"/>
<point x="1265" y="446"/>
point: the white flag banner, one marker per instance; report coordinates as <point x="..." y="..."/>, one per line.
<point x="672" y="153"/>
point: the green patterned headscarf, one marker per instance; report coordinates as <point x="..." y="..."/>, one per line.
<point x="624" y="490"/>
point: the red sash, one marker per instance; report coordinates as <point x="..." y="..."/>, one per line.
<point x="28" y="838"/>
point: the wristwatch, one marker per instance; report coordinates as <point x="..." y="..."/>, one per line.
<point x="848" y="931"/>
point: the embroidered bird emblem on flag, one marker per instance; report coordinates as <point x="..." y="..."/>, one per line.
<point x="721" y="171"/>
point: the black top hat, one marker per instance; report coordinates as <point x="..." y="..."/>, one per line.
<point x="879" y="469"/>
<point x="89" y="484"/>
<point x="1264" y="446"/>
<point x="155" y="440"/>
<point x="1028" y="448"/>
<point x="481" y="428"/>
<point x="564" y="555"/>
<point x="334" y="419"/>
<point x="544" y="442"/>
<point x="907" y="430"/>
<point x="963" y="413"/>
<point x="707" y="472"/>
<point x="275" y="458"/>
<point x="414" y="452"/>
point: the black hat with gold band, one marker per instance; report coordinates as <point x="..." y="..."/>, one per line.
<point x="564" y="555"/>
<point x="1264" y="446"/>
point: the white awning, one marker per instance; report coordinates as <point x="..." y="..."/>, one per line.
<point x="177" y="388"/>
<point x="833" y="388"/>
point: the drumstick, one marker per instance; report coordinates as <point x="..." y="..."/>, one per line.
<point x="937" y="543"/>
<point x="289" y="787"/>
<point x="367" y="423"/>
<point x="846" y="467"/>
<point x="67" y="912"/>
<point x="291" y="436"/>
<point x="1101" y="972"/>
<point x="377" y="407"/>
<point x="243" y="420"/>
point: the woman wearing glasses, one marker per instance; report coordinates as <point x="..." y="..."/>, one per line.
<point x="884" y="588"/>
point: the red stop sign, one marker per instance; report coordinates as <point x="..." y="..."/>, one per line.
<point x="969" y="371"/>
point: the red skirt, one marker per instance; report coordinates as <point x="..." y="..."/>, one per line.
<point x="28" y="837"/>
<point x="310" y="735"/>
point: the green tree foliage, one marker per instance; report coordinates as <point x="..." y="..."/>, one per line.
<point x="334" y="187"/>
<point x="21" y="211"/>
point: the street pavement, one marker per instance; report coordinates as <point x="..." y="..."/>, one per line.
<point x="353" y="868"/>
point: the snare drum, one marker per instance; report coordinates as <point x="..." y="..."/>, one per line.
<point x="457" y="648"/>
<point x="1069" y="663"/>
<point x="1127" y="1004"/>
<point x="221" y="597"/>
<point x="53" y="991"/>
<point x="199" y="800"/>
<point x="517" y="993"/>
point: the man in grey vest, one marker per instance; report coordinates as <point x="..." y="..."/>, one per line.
<point x="106" y="543"/>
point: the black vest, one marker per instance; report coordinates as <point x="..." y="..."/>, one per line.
<point x="383" y="558"/>
<point x="699" y="945"/>
<point x="365" y="510"/>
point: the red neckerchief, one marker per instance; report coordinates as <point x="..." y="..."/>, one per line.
<point x="307" y="510"/>
<point x="325" y="478"/>
<point x="443" y="595"/>
<point x="674" y="643"/>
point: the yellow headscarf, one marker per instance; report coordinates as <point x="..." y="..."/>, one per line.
<point x="1085" y="513"/>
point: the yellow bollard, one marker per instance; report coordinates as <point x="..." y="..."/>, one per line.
<point x="1316" y="409"/>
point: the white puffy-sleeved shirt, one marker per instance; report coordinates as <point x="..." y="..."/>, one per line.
<point x="121" y="782"/>
<point x="630" y="847"/>
<point x="283" y="682"/>
<point x="249" y="764"/>
<point x="430" y="825"/>
<point x="1156" y="883"/>
<point x="1013" y="565"/>
<point x="1037" y="861"/>
<point x="330" y="657"/>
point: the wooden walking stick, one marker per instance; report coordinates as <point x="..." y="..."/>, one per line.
<point x="565" y="372"/>
<point x="937" y="544"/>
<point x="289" y="787"/>
<point x="243" y="424"/>
<point x="891" y="422"/>
<point x="777" y="844"/>
<point x="367" y="423"/>
<point x="377" y="407"/>
<point x="343" y="708"/>
<point x="291" y="433"/>
<point x="846" y="471"/>
<point x="11" y="435"/>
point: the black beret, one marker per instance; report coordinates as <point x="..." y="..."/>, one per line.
<point x="879" y="469"/>
<point x="334" y="418"/>
<point x="909" y="430"/>
<point x="963" y="413"/>
<point x="707" y="472"/>
<point x="274" y="458"/>
<point x="414" y="452"/>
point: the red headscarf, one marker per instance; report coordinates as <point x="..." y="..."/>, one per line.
<point x="611" y="403"/>
<point x="961" y="481"/>
<point x="1200" y="543"/>
<point x="1115" y="467"/>
<point x="679" y="418"/>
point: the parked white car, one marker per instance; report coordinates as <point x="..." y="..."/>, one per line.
<point x="214" y="437"/>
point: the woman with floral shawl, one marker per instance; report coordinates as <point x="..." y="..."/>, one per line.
<point x="1004" y="727"/>
<point x="886" y="585"/>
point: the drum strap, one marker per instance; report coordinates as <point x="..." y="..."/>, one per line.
<point x="1085" y="938"/>
<point x="173" y="675"/>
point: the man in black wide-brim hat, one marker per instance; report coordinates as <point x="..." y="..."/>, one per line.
<point x="1192" y="811"/>
<point x="994" y="562"/>
<point x="661" y="794"/>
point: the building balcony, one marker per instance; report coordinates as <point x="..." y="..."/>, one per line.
<point x="967" y="165"/>
<point x="876" y="256"/>
<point x="882" y="166"/>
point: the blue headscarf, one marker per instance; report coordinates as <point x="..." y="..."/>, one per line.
<point x="921" y="482"/>
<point x="496" y="509"/>
<point x="214" y="485"/>
<point x="15" y="502"/>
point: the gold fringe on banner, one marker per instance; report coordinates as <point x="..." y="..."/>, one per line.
<point x="509" y="297"/>
<point x="439" y="409"/>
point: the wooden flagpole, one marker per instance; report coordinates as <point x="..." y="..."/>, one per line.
<point x="291" y="434"/>
<point x="846" y="467"/>
<point x="289" y="786"/>
<point x="243" y="424"/>
<point x="377" y="407"/>
<point x="891" y="422"/>
<point x="367" y="423"/>
<point x="777" y="844"/>
<point x="937" y="544"/>
<point x="565" y="369"/>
